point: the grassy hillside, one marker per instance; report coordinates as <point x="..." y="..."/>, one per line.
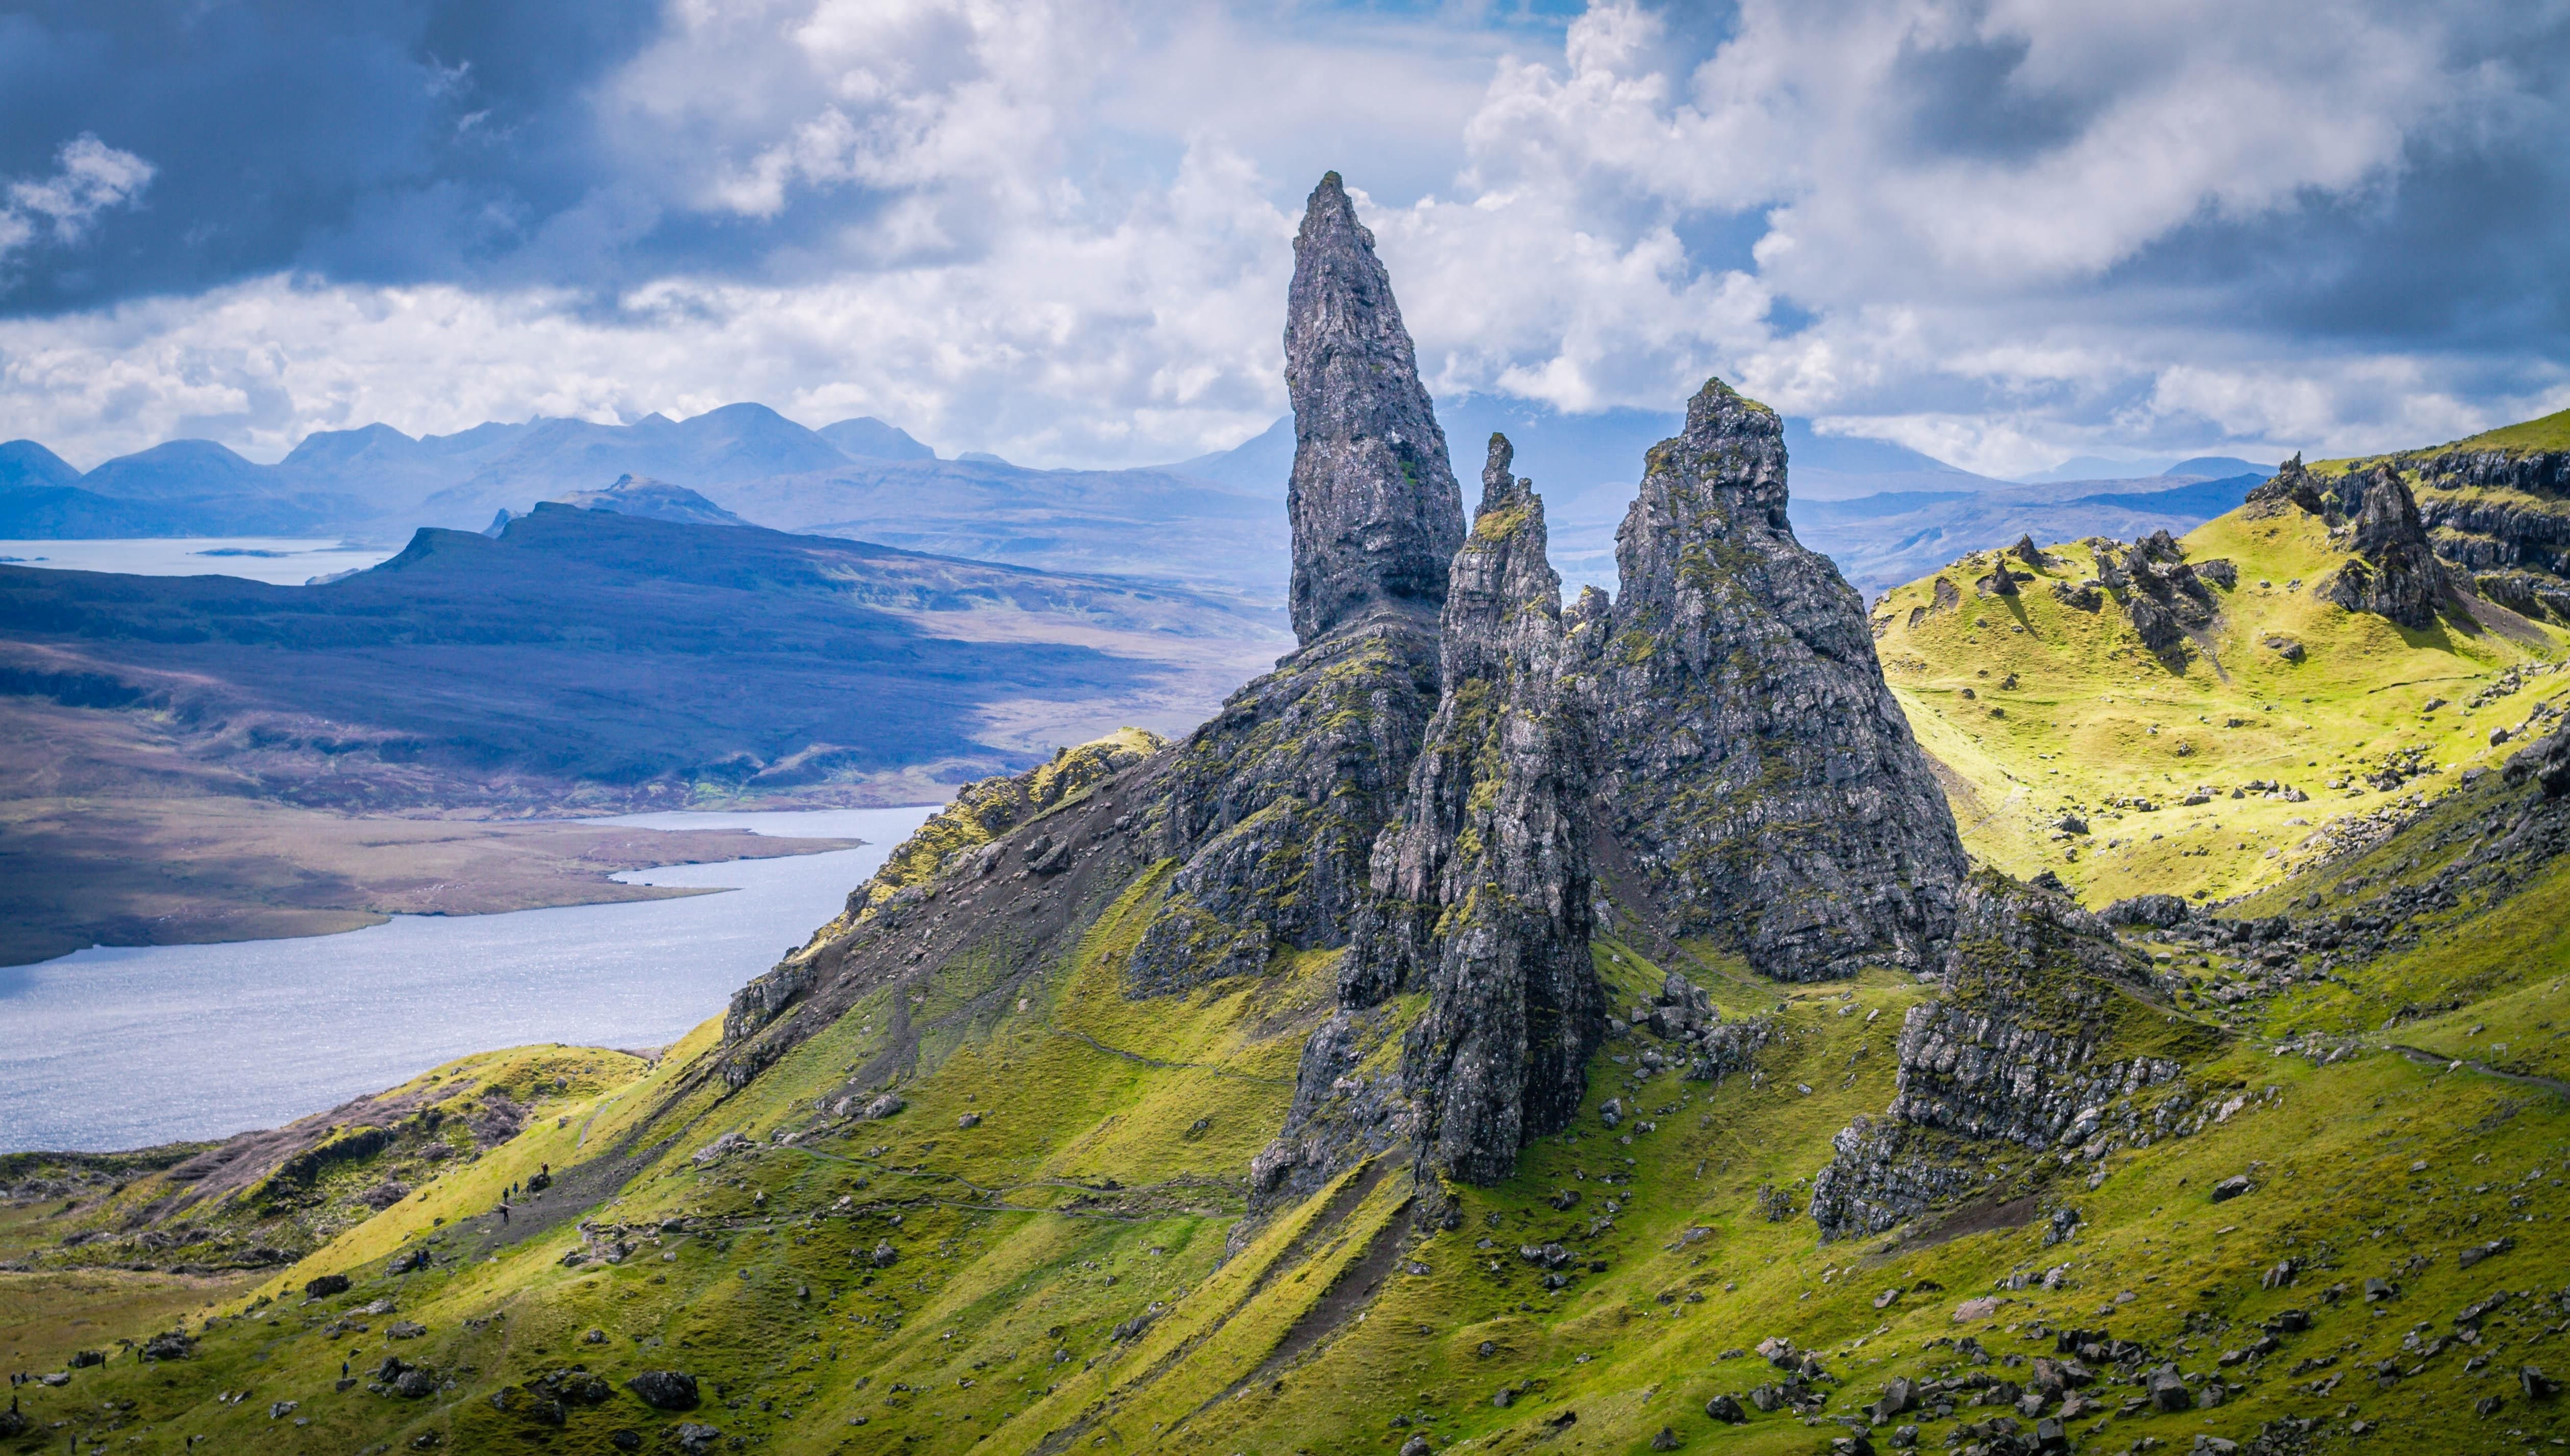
<point x="2042" y="708"/>
<point x="985" y="1198"/>
<point x="1045" y="1248"/>
<point x="2552" y="431"/>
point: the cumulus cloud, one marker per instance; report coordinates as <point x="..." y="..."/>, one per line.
<point x="88" y="178"/>
<point x="2000" y="230"/>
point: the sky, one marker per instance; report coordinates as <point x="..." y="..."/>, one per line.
<point x="1059" y="231"/>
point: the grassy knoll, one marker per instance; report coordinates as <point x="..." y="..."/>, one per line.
<point x="2039" y="710"/>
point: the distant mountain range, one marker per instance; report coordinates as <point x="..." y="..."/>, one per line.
<point x="1883" y="511"/>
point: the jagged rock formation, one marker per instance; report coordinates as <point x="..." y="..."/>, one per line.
<point x="1272" y="806"/>
<point x="2164" y="596"/>
<point x="2394" y="572"/>
<point x="1275" y="803"/>
<point x="2291" y="487"/>
<point x="1376" y="513"/>
<point x="1754" y="764"/>
<point x="2020" y="1048"/>
<point x="1482" y="892"/>
<point x="2503" y="515"/>
<point x="1491" y="840"/>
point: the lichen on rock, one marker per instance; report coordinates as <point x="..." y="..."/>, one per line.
<point x="1376" y="513"/>
<point x="1753" y="761"/>
<point x="2028" y="1047"/>
<point x="2394" y="572"/>
<point x="1479" y="905"/>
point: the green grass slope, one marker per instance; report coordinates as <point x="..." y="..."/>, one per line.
<point x="1046" y="1249"/>
<point x="2039" y="710"/>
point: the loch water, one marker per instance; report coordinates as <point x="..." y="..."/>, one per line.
<point x="112" y="1048"/>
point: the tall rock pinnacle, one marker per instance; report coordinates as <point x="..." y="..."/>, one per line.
<point x="1513" y="1005"/>
<point x="1376" y="513"/>
<point x="1480" y="897"/>
<point x="2399" y="576"/>
<point x="1756" y="766"/>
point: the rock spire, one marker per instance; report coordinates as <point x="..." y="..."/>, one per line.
<point x="1273" y="807"/>
<point x="1481" y="895"/>
<point x="2399" y="576"/>
<point x="1756" y="767"/>
<point x="1376" y="513"/>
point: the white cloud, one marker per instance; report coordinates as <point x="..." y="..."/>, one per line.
<point x="1964" y="226"/>
<point x="90" y="176"/>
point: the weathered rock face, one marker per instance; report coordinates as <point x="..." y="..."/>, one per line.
<point x="1275" y="804"/>
<point x="1753" y="763"/>
<point x="2396" y="575"/>
<point x="2010" y="1053"/>
<point x="2503" y="514"/>
<point x="1492" y="841"/>
<point x="1481" y="895"/>
<point x="2163" y="595"/>
<point x="1376" y="513"/>
<point x="2289" y="487"/>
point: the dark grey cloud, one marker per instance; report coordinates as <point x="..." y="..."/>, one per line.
<point x="367" y="142"/>
<point x="1969" y="98"/>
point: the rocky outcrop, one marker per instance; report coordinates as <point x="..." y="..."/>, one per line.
<point x="1376" y="513"/>
<point x="1492" y="841"/>
<point x="2291" y="488"/>
<point x="2164" y="597"/>
<point x="2017" y="1049"/>
<point x="2395" y="574"/>
<point x="1754" y="764"/>
<point x="1275" y="803"/>
<point x="1480" y="893"/>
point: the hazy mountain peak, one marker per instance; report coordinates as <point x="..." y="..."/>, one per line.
<point x="25" y="464"/>
<point x="872" y="438"/>
<point x="651" y="499"/>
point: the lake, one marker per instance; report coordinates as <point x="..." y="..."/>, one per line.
<point x="278" y="561"/>
<point x="112" y="1048"/>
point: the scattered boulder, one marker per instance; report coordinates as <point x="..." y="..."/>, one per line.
<point x="665" y="1389"/>
<point x="695" y="1438"/>
<point x="325" y="1285"/>
<point x="883" y="1107"/>
<point x="1726" y="1409"/>
<point x="719" y="1149"/>
<point x="2166" y="1390"/>
<point x="2230" y="1188"/>
<point x="2480" y="1252"/>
